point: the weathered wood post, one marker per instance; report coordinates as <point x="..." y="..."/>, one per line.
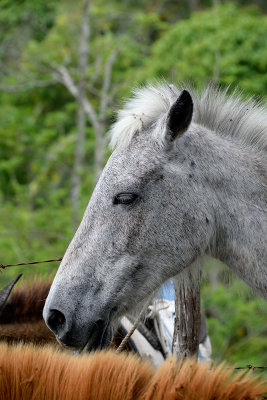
<point x="187" y="311"/>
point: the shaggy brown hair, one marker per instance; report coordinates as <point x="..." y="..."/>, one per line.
<point x="34" y="373"/>
<point x="28" y="332"/>
<point x="26" y="302"/>
<point x="198" y="381"/>
<point x="21" y="318"/>
<point x="29" y="372"/>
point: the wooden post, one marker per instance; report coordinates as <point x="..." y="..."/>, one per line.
<point x="187" y="311"/>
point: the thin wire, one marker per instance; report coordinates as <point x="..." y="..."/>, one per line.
<point x="3" y="266"/>
<point x="250" y="367"/>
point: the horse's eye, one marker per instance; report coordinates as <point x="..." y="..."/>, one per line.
<point x="125" y="198"/>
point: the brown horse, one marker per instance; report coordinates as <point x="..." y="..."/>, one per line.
<point x="21" y="313"/>
<point x="29" y="372"/>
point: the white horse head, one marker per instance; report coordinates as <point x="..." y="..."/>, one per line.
<point x="188" y="178"/>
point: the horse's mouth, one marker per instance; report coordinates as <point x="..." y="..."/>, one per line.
<point x="95" y="336"/>
<point x="101" y="336"/>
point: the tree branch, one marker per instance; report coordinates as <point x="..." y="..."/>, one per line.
<point x="26" y="86"/>
<point x="68" y="82"/>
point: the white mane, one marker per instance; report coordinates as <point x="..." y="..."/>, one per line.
<point x="227" y="115"/>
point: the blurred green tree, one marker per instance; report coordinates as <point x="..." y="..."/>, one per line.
<point x="225" y="44"/>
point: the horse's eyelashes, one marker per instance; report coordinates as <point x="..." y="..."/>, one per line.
<point x="125" y="198"/>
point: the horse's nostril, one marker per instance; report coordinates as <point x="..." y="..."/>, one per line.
<point x="56" y="320"/>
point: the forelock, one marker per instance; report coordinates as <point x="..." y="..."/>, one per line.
<point x="146" y="107"/>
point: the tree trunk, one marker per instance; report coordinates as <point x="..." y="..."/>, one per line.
<point x="99" y="152"/>
<point x="81" y="120"/>
<point x="193" y="5"/>
<point x="77" y="166"/>
<point x="187" y="311"/>
<point x="100" y="131"/>
<point x="217" y="54"/>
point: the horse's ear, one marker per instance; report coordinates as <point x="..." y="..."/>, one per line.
<point x="4" y="293"/>
<point x="180" y="116"/>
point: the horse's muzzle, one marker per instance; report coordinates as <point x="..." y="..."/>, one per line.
<point x="97" y="334"/>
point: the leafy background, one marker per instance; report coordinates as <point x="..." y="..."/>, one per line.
<point x="195" y="41"/>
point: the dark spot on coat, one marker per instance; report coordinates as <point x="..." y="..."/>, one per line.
<point x="159" y="177"/>
<point x="207" y="220"/>
<point x="192" y="163"/>
<point x="197" y="250"/>
<point x="190" y="176"/>
<point x="99" y="287"/>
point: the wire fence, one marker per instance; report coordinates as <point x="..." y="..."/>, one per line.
<point x="3" y="266"/>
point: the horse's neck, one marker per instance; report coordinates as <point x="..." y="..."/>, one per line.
<point x="240" y="213"/>
<point x="241" y="244"/>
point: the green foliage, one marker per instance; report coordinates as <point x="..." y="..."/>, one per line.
<point x="236" y="320"/>
<point x="19" y="21"/>
<point x="226" y="43"/>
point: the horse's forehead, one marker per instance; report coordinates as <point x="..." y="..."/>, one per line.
<point x="131" y="162"/>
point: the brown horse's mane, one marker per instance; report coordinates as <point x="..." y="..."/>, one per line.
<point x="21" y="317"/>
<point x="28" y="332"/>
<point x="26" y="302"/>
<point x="29" y="372"/>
